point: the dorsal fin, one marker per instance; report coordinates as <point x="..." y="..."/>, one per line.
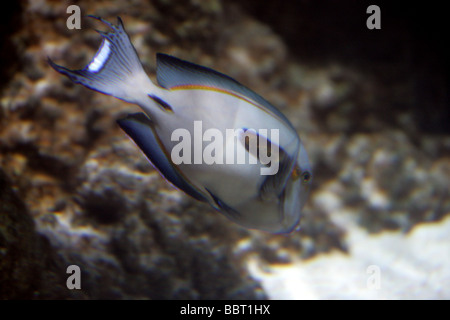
<point x="172" y="72"/>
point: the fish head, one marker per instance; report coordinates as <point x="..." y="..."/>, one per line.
<point x="295" y="193"/>
<point x="277" y="208"/>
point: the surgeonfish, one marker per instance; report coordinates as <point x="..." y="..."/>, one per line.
<point x="196" y="124"/>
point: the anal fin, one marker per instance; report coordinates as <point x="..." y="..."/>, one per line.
<point x="140" y="128"/>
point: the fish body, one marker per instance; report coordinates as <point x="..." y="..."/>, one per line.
<point x="196" y="124"/>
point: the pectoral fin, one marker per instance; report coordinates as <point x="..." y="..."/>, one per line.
<point x="139" y="127"/>
<point x="273" y="185"/>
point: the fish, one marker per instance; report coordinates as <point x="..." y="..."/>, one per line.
<point x="207" y="134"/>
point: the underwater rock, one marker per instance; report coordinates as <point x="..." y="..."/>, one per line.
<point x="28" y="264"/>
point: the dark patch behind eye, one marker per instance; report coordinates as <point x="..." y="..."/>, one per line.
<point x="264" y="143"/>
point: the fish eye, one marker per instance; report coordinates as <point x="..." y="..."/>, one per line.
<point x="306" y="177"/>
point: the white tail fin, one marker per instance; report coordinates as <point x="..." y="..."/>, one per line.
<point x="115" y="70"/>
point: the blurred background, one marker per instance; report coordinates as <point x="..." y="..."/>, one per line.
<point x="371" y="106"/>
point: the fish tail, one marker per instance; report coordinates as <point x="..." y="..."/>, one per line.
<point x="115" y="69"/>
